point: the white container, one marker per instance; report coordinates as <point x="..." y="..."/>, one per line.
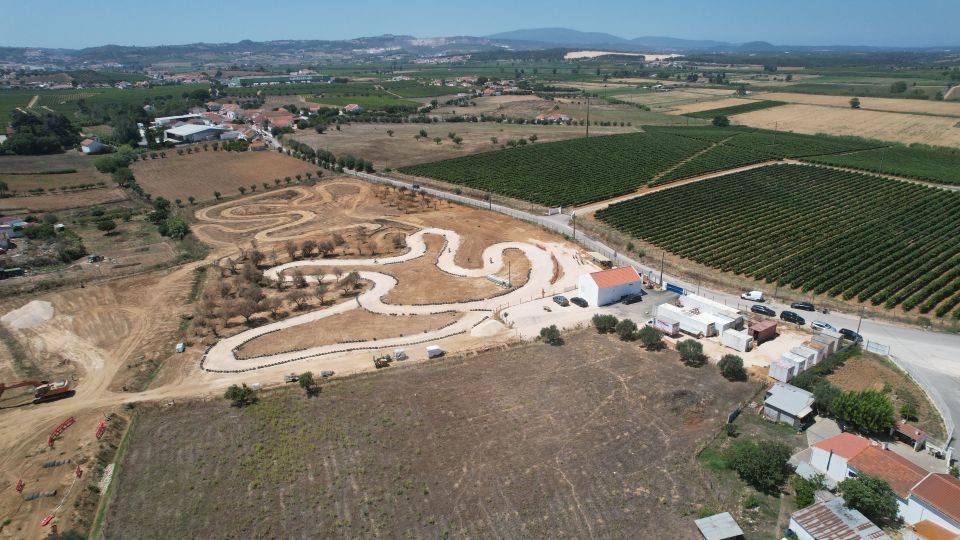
<point x="433" y="351"/>
<point x="737" y="340"/>
<point x="781" y="371"/>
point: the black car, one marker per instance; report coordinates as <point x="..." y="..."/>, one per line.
<point x="561" y="300"/>
<point x="631" y="298"/>
<point x="578" y="301"/>
<point x="790" y="316"/>
<point x="806" y="306"/>
<point x="763" y="310"/>
<point x="851" y="335"/>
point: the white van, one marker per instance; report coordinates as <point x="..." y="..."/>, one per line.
<point x="753" y="296"/>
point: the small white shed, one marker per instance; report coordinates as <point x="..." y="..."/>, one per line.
<point x="434" y="351"/>
<point x="737" y="340"/>
<point x="609" y="286"/>
<point x="781" y="371"/>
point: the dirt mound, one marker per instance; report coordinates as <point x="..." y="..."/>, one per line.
<point x="31" y="315"/>
<point x="487" y="328"/>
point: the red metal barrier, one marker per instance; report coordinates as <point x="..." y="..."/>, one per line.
<point x="101" y="427"/>
<point x="20" y="485"/>
<point x="59" y="429"/>
<point x="46" y="520"/>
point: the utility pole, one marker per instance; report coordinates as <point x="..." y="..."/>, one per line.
<point x="509" y="276"/>
<point x="574" y="216"/>
<point x="882" y="152"/>
<point x="588" y="116"/>
<point x="662" y="255"/>
<point x="860" y="321"/>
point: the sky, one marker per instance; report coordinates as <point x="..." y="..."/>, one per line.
<point x="73" y="24"/>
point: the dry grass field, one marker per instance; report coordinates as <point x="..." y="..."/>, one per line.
<point x="62" y="201"/>
<point x="888" y="126"/>
<point x="919" y="106"/>
<point x="202" y="173"/>
<point x="593" y="439"/>
<point x="665" y="101"/>
<point x="707" y="105"/>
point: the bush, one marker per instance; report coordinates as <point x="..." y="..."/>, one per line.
<point x="805" y="489"/>
<point x="721" y="121"/>
<point x="627" y="330"/>
<point x="604" y="323"/>
<point x="763" y="465"/>
<point x="106" y="225"/>
<point x="651" y="338"/>
<point x="551" y="335"/>
<point x="731" y="367"/>
<point x="730" y="430"/>
<point x="691" y="352"/>
<point x="908" y="411"/>
<point x="824" y="394"/>
<point x="872" y="496"/>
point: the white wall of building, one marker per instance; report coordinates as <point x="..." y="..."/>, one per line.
<point x="596" y="296"/>
<point x="916" y="511"/>
<point x="798" y="530"/>
<point x="837" y="471"/>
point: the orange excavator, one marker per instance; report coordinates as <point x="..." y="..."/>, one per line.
<point x="43" y="390"/>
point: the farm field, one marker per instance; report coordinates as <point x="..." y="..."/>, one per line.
<point x="941" y="165"/>
<point x="543" y="444"/>
<point x="367" y="102"/>
<point x="821" y="231"/>
<point x="887" y="126"/>
<point x="918" y="106"/>
<point x="736" y="109"/>
<point x="62" y="201"/>
<point x="202" y="173"/>
<point x="664" y="101"/>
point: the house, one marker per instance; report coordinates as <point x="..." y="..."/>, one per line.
<point x="553" y="118"/>
<point x="231" y="111"/>
<point x="608" y="286"/>
<point x="258" y="146"/>
<point x="213" y="106"/>
<point x="719" y="527"/>
<point x="188" y="133"/>
<point x="788" y="404"/>
<point x="833" y="520"/>
<point x="830" y="456"/>
<point x="909" y="434"/>
<point x="353" y="108"/>
<point x="91" y="146"/>
<point x="900" y="473"/>
<point x="936" y="500"/>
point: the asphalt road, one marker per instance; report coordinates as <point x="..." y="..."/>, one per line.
<point x="932" y="359"/>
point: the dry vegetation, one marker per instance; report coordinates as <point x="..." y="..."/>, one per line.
<point x="920" y="106"/>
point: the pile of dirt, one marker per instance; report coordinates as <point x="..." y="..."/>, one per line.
<point x="31" y="315"/>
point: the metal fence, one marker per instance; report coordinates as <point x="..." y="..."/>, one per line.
<point x="879" y="348"/>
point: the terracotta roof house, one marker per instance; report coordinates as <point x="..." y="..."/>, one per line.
<point x="900" y="473"/>
<point x="909" y="434"/>
<point x="936" y="499"/>
<point x="830" y="456"/>
<point x="609" y="286"/>
<point x="353" y="107"/>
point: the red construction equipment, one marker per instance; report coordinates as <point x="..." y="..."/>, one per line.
<point x="101" y="427"/>
<point x="46" y="520"/>
<point x="44" y="390"/>
<point x="59" y="429"/>
<point x="20" y="486"/>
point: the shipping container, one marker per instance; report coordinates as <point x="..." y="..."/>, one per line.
<point x="763" y="331"/>
<point x="738" y="340"/>
<point x="691" y="321"/>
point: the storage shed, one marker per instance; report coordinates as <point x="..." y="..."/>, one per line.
<point x="817" y="347"/>
<point x="788" y="404"/>
<point x="738" y="340"/>
<point x="763" y="331"/>
<point x="809" y="356"/>
<point x="609" y="286"/>
<point x="798" y="362"/>
<point x="710" y="306"/>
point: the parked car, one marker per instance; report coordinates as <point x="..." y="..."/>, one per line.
<point x="763" y="310"/>
<point x="820" y="325"/>
<point x="416" y="186"/>
<point x="790" y="316"/>
<point x="806" y="306"/>
<point x="851" y="335"/>
<point x="753" y="296"/>
<point x="631" y="298"/>
<point x="578" y="301"/>
<point x="561" y="300"/>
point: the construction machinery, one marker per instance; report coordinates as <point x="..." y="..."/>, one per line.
<point x="382" y="361"/>
<point x="43" y="390"/>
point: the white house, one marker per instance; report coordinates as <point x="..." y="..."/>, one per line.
<point x="91" y="146"/>
<point x="608" y="286"/>
<point x="830" y="456"/>
<point x="935" y="499"/>
<point x="788" y="404"/>
<point x="832" y="519"/>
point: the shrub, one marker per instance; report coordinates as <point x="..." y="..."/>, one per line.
<point x="551" y="335"/>
<point x="604" y="323"/>
<point x="627" y="330"/>
<point x="730" y="430"/>
<point x="763" y="465"/>
<point x="651" y="338"/>
<point x="824" y="394"/>
<point x="691" y="352"/>
<point x="731" y="367"/>
<point x="805" y="489"/>
<point x="908" y="411"/>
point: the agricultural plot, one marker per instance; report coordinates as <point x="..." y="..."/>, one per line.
<point x="933" y="164"/>
<point x="823" y="231"/>
<point x="736" y="109"/>
<point x="567" y="172"/>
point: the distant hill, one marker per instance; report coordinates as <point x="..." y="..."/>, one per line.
<point x="560" y="36"/>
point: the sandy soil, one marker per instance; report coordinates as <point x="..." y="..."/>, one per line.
<point x="350" y="326"/>
<point x="922" y="106"/>
<point x="898" y="127"/>
<point x="63" y="201"/>
<point x="200" y="174"/>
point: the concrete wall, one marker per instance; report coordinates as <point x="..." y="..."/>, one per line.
<point x="838" y="464"/>
<point x="776" y="415"/>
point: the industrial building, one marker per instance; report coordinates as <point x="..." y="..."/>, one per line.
<point x="189" y="133"/>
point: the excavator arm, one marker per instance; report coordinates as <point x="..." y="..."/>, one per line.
<point x="4" y="387"/>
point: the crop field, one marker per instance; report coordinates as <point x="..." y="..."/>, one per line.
<point x="596" y="439"/>
<point x="822" y="231"/>
<point x="940" y="165"/>
<point x="917" y="106"/>
<point x="736" y="109"/>
<point x="378" y="101"/>
<point x="567" y="172"/>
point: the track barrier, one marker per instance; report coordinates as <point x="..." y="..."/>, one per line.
<point x="60" y="429"/>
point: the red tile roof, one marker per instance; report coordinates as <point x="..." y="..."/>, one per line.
<point x="615" y="277"/>
<point x="942" y="492"/>
<point x="900" y="473"/>
<point x="86" y="142"/>
<point x="845" y="445"/>
<point x="910" y="430"/>
<point x="929" y="530"/>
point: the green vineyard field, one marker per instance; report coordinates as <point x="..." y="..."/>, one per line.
<point x="749" y="106"/>
<point x="821" y="231"/>
<point x="934" y="164"/>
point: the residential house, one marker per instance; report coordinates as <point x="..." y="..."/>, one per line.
<point x="91" y="146"/>
<point x="899" y="472"/>
<point x="936" y="499"/>
<point x="833" y="520"/>
<point x="553" y="118"/>
<point x="830" y="456"/>
<point x="231" y="111"/>
<point x="788" y="404"/>
<point x="353" y="108"/>
<point x="213" y="106"/>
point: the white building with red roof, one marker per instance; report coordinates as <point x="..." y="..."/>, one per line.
<point x="609" y="286"/>
<point x="91" y="146"/>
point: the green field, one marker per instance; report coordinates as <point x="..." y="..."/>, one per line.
<point x="821" y="231"/>
<point x="935" y="164"/>
<point x="736" y="109"/>
<point x="366" y="101"/>
<point x="566" y="172"/>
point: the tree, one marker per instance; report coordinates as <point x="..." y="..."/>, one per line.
<point x="872" y="496"/>
<point x="533" y="138"/>
<point x="299" y="280"/>
<point x="437" y="140"/>
<point x="242" y="190"/>
<point x="908" y="411"/>
<point x="898" y="87"/>
<point x="604" y="323"/>
<point x="627" y="330"/>
<point x="107" y="226"/>
<point x="731" y="367"/>
<point x="244" y="307"/>
<point x="216" y="195"/>
<point x="551" y="334"/>
<point x="763" y="465"/>
<point x="349" y="282"/>
<point x="691" y="352"/>
<point x="298" y="297"/>
<point x="308" y="247"/>
<point x="320" y="291"/>
<point x="389" y="133"/>
<point x="306" y="382"/>
<point x="806" y="488"/>
<point x="493" y="140"/>
<point x="824" y="394"/>
<point x="239" y="395"/>
<point x="869" y="409"/>
<point x="855" y="103"/>
<point x="291" y="248"/>
<point x="650" y="338"/>
<point x="721" y="121"/>
<point x="175" y="227"/>
<point x="191" y="199"/>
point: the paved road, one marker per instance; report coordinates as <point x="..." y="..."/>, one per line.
<point x="933" y="359"/>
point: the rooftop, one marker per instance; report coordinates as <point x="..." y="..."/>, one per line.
<point x="790" y="399"/>
<point x="910" y="430"/>
<point x="719" y="527"/>
<point x="929" y="530"/>
<point x="942" y="492"/>
<point x="845" y="445"/>
<point x="832" y="520"/>
<point x="190" y="129"/>
<point x="901" y="474"/>
<point x="615" y="277"/>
